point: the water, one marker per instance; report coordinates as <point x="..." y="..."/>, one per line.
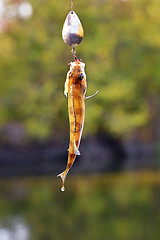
<point x="14" y="228"/>
<point x="122" y="206"/>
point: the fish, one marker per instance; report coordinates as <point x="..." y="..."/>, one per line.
<point x="75" y="89"/>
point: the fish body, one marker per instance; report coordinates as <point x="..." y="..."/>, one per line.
<point x="75" y="90"/>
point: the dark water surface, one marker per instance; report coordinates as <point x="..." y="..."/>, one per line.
<point x="122" y="206"/>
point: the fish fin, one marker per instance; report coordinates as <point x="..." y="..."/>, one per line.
<point x="92" y="95"/>
<point x="65" y="93"/>
<point x="66" y="87"/>
<point x="76" y="151"/>
<point x="63" y="176"/>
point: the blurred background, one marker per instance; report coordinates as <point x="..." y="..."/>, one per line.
<point x="113" y="189"/>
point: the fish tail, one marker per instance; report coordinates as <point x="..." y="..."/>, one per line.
<point x="63" y="176"/>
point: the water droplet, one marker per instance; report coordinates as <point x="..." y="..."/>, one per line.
<point x="72" y="32"/>
<point x="63" y="188"/>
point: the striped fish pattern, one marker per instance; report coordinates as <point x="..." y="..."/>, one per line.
<point x="75" y="90"/>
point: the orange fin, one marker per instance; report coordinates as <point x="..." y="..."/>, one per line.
<point x="76" y="151"/>
<point x="66" y="87"/>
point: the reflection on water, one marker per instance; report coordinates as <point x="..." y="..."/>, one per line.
<point x="115" y="207"/>
<point x="14" y="229"/>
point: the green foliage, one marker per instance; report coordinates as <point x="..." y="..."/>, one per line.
<point x="98" y="207"/>
<point x="121" y="50"/>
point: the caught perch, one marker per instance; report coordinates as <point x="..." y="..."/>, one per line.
<point x="75" y="90"/>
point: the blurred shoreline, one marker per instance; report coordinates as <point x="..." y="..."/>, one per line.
<point x="98" y="155"/>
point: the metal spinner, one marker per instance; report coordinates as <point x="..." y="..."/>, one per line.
<point x="72" y="32"/>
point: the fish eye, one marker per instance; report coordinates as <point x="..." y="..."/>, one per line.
<point x="80" y="77"/>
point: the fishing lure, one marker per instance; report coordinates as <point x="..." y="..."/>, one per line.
<point x="75" y="89"/>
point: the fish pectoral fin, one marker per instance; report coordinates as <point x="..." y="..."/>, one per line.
<point x="65" y="93"/>
<point x="66" y="88"/>
<point x="92" y="95"/>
